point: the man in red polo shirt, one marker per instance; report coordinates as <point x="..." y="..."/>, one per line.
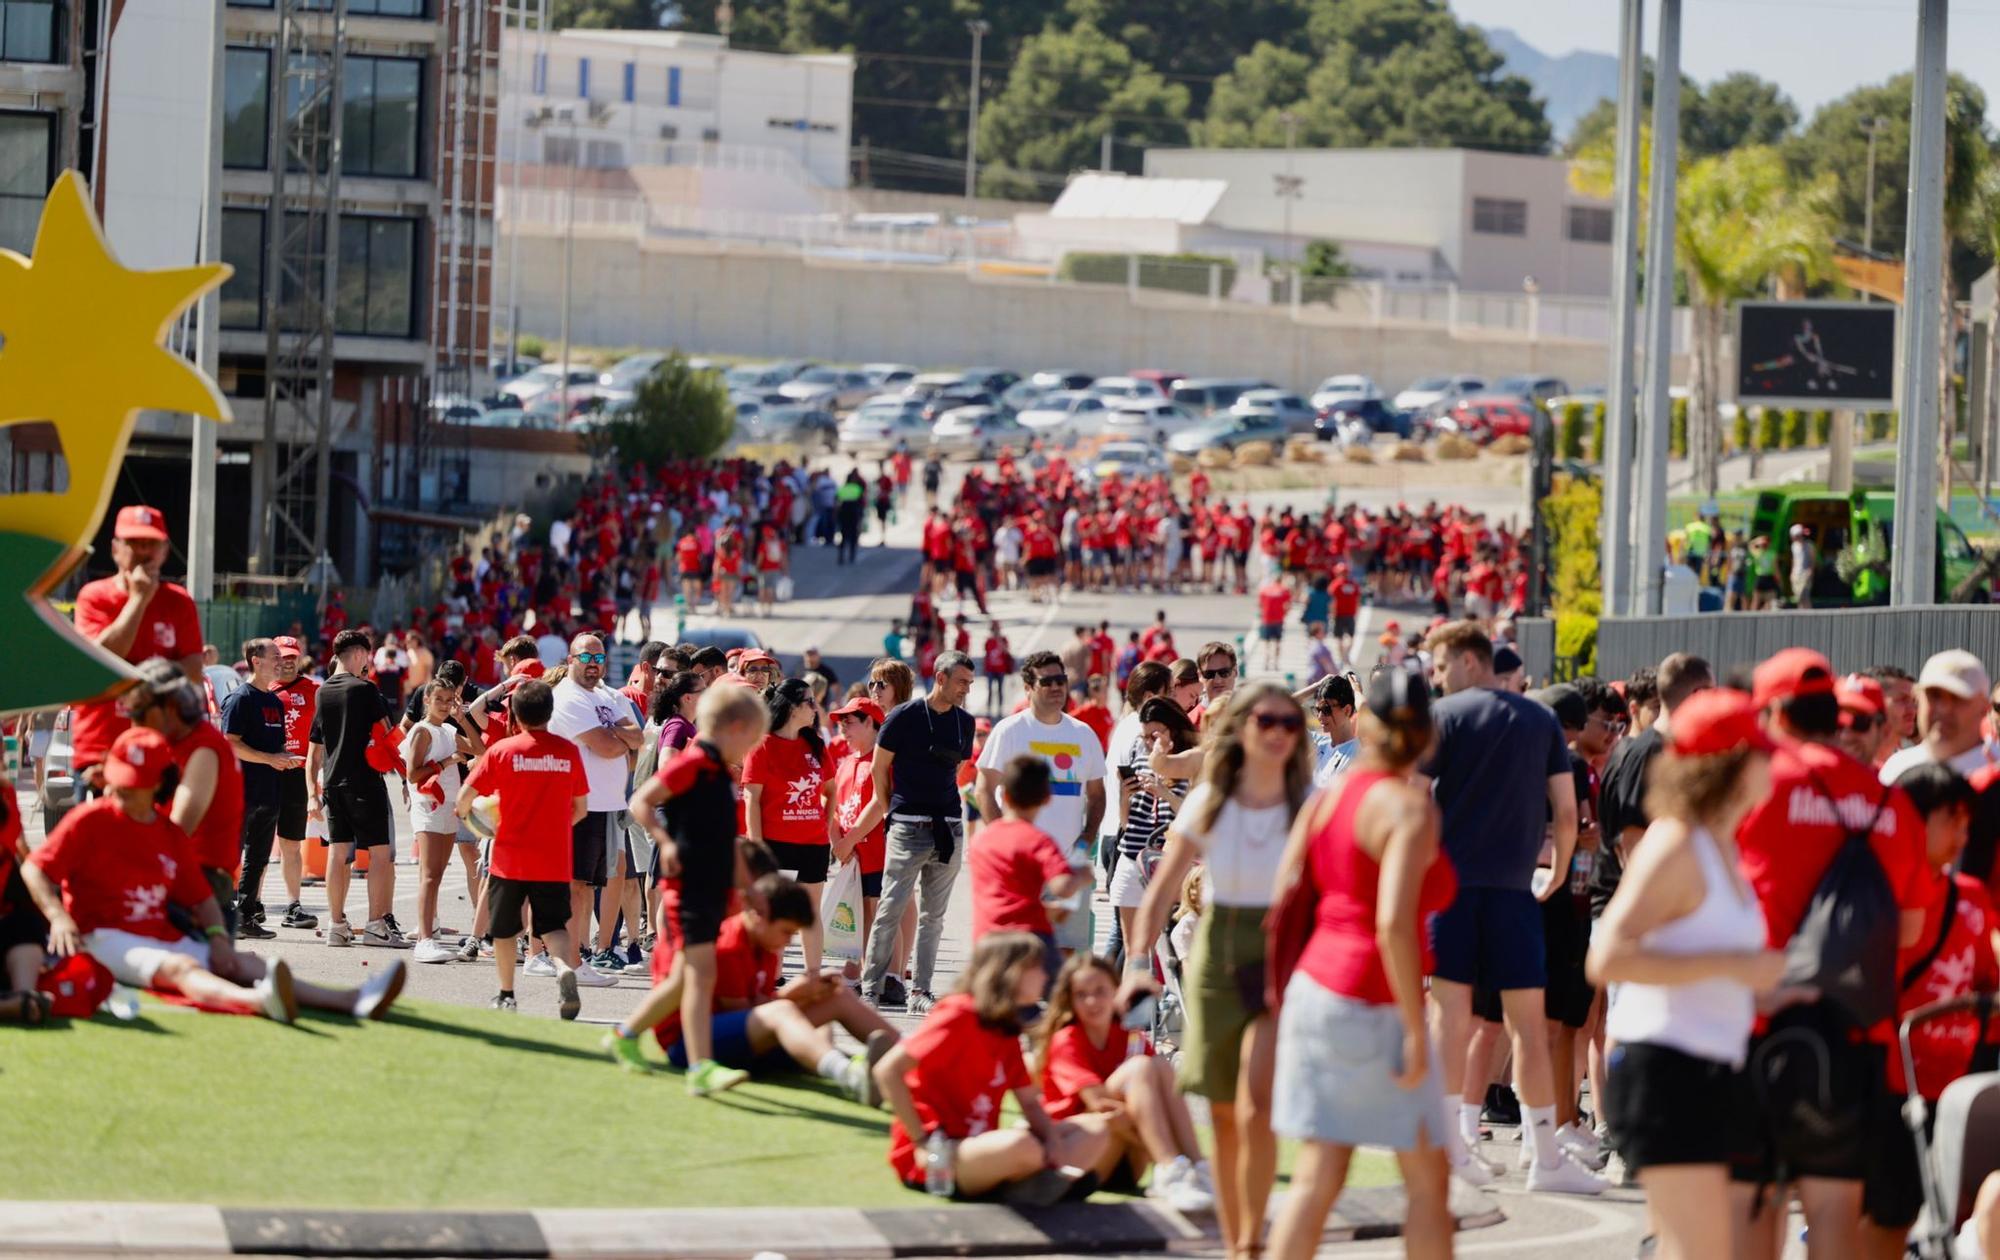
<point x="300" y="692"/>
<point x="133" y="615"/>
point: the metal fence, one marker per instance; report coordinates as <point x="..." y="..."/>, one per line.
<point x="1852" y="639"/>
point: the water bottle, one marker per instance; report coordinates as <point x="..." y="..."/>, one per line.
<point x="939" y="1153"/>
<point x="123" y="1003"/>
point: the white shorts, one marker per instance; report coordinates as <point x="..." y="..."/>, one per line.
<point x="1128" y="882"/>
<point x="135" y="960"/>
<point x="427" y="815"/>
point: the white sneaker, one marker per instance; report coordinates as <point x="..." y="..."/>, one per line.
<point x="1566" y="1177"/>
<point x="383" y="935"/>
<point x="380" y="991"/>
<point x="1475" y="1171"/>
<point x="1204" y="1176"/>
<point x="1179" y="1187"/>
<point x="274" y="992"/>
<point x="539" y="965"/>
<point x="339" y="936"/>
<point x="433" y="950"/>
<point x="591" y="978"/>
<point x="1584" y="1144"/>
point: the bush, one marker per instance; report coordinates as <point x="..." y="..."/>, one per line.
<point x="1741" y="431"/>
<point x="1795" y="428"/>
<point x="1215" y="457"/>
<point x="1597" y="427"/>
<point x="1576" y="644"/>
<point x="1571" y="514"/>
<point x="1303" y="450"/>
<point x="1183" y="273"/>
<point x="1452" y="446"/>
<point x="676" y="413"/>
<point x="1677" y="428"/>
<point x="1180" y="465"/>
<point x="1569" y="431"/>
<point x="1822" y="427"/>
<point x="529" y="345"/>
<point x="1511" y="444"/>
<point x="1770" y="429"/>
<point x="1881" y="426"/>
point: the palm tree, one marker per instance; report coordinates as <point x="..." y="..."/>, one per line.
<point x="1967" y="170"/>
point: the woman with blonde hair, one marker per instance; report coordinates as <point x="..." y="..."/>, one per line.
<point x="1254" y="780"/>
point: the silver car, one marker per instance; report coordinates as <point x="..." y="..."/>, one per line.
<point x="1130" y="461"/>
<point x="834" y="388"/>
<point x="1148" y="419"/>
<point x="1297" y="413"/>
<point x="880" y="423"/>
<point x="980" y="432"/>
<point x="1065" y="414"/>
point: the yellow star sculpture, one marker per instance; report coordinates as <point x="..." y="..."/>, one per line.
<point x="81" y="348"/>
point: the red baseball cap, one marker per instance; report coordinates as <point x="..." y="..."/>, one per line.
<point x="286" y="645"/>
<point x="1859" y="693"/>
<point x="530" y="668"/>
<point x="1718" y="721"/>
<point x="865" y="707"/>
<point x="76" y="985"/>
<point x="140" y="521"/>
<point x="138" y="757"/>
<point x="755" y="656"/>
<point x="1793" y="672"/>
<point x="385" y="750"/>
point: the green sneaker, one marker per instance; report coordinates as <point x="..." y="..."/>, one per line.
<point x="626" y="1052"/>
<point x="709" y="1077"/>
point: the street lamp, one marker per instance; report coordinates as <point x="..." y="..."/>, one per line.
<point x="978" y="27"/>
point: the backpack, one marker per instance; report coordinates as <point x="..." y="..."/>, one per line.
<point x="1845" y="945"/>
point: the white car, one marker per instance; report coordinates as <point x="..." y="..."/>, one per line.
<point x="887" y="376"/>
<point x="880" y="423"/>
<point x="1297" y="412"/>
<point x="1339" y="389"/>
<point x="1064" y="413"/>
<point x="1113" y="388"/>
<point x="836" y="389"/>
<point x="981" y="432"/>
<point x="530" y="385"/>
<point x="620" y="382"/>
<point x="1153" y="419"/>
<point x="1431" y="391"/>
<point x="1131" y="461"/>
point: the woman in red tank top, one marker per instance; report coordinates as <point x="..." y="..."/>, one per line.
<point x="1354" y="1061"/>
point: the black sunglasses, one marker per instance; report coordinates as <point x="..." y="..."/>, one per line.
<point x="1228" y="671"/>
<point x="1052" y="680"/>
<point x="1291" y="722"/>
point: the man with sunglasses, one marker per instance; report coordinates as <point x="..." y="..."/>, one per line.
<point x="591" y="714"/>
<point x="1075" y="758"/>
<point x="1217" y="664"/>
<point x="1334" y="744"/>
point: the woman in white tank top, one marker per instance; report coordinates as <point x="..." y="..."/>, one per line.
<point x="1683" y="939"/>
<point x="435" y="740"/>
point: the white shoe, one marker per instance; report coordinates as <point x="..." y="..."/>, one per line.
<point x="1566" y="1177"/>
<point x="380" y="991"/>
<point x="339" y="936"/>
<point x="539" y="965"/>
<point x="1475" y="1171"/>
<point x="591" y="978"/>
<point x="382" y="935"/>
<point x="274" y="993"/>
<point x="1584" y="1144"/>
<point x="433" y="950"/>
<point x="1204" y="1176"/>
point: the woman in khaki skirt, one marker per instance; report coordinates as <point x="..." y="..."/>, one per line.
<point x="1256" y="774"/>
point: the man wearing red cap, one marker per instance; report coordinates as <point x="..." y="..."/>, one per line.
<point x="133" y="615"/>
<point x="299" y="692"/>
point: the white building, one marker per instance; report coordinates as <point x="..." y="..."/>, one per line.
<point x="1483" y="222"/>
<point x="673" y="98"/>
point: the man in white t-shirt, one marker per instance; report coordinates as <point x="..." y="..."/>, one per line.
<point x="1952" y="698"/>
<point x="592" y="715"/>
<point x="1076" y="766"/>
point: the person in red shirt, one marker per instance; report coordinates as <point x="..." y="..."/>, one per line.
<point x="787" y="794"/>
<point x="1273" y="599"/>
<point x="133" y="615"/>
<point x="1103" y="1075"/>
<point x="1014" y="865"/>
<point x="1345" y="596"/>
<point x="949" y="1078"/>
<point x="688" y="564"/>
<point x="728" y="570"/>
<point x="1818" y="796"/>
<point x="1093" y="712"/>
<point x="208" y="801"/>
<point x="300" y="693"/>
<point x="541" y="788"/>
<point x="773" y="558"/>
<point x="853" y="791"/>
<point x="105" y="877"/>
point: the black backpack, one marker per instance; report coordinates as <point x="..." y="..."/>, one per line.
<point x="1845" y="945"/>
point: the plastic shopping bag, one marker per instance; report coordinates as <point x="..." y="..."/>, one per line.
<point x="840" y="911"/>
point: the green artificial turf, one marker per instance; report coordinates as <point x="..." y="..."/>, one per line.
<point x="439" y="1106"/>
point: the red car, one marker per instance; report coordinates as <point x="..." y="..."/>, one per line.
<point x="1487" y="417"/>
<point x="1165" y="380"/>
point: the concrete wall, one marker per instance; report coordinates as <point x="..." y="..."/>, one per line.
<point x="770" y="304"/>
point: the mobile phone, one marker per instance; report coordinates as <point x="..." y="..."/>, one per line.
<point x="1139" y="1015"/>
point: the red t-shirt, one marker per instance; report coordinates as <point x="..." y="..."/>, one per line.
<point x="1011" y="862"/>
<point x="119" y="873"/>
<point x="965" y="1068"/>
<point x="1074" y="1065"/>
<point x="218" y="839"/>
<point x="1272" y="602"/>
<point x="688" y="554"/>
<point x="170" y="628"/>
<point x="538" y="777"/>
<point x="1943" y="1047"/>
<point x="853" y="789"/>
<point x="1346" y="597"/>
<point x="1098" y="719"/>
<point x="1786" y="841"/>
<point x="301" y="697"/>
<point x="771" y="556"/>
<point x="745" y="975"/>
<point x="792" y="805"/>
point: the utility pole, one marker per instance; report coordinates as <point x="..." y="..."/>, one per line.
<point x="1290" y="188"/>
<point x="569" y="260"/>
<point x="1104" y="152"/>
<point x="1615" y="559"/>
<point x="1868" y="213"/>
<point x="1650" y="567"/>
<point x="1912" y="568"/>
<point x="978" y="27"/>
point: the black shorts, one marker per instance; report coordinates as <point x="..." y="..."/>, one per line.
<point x="871" y="884"/>
<point x="708" y="873"/>
<point x="1491" y="938"/>
<point x="358" y="814"/>
<point x="1767" y="584"/>
<point x="1567" y="996"/>
<point x="590" y="848"/>
<point x="1271" y="631"/>
<point x="1784" y="1145"/>
<point x="1343" y="627"/>
<point x="292" y="804"/>
<point x="20" y="922"/>
<point x="1041" y="566"/>
<point x="1665" y="1106"/>
<point x="809" y="860"/>
<point x="548" y="899"/>
<point x="1892" y="1190"/>
<point x="1486" y="1005"/>
<point x="966" y="581"/>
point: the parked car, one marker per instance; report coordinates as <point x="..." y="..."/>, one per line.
<point x="889" y="376"/>
<point x="881" y="422"/>
<point x="1204" y="394"/>
<point x="1342" y="389"/>
<point x="925" y="384"/>
<point x="1374" y="414"/>
<point x="1066" y="413"/>
<point x="1165" y="380"/>
<point x="1130" y="461"/>
<point x="764" y="376"/>
<point x="1431" y="391"/>
<point x="512" y="418"/>
<point x="1022" y="395"/>
<point x="1230" y="430"/>
<point x="980" y="432"/>
<point x="727" y="638"/>
<point x="532" y="384"/>
<point x="807" y="425"/>
<point x="619" y="383"/>
<point x="993" y="379"/>
<point x="1058" y="378"/>
<point x="839" y="389"/>
<point x="1112" y="388"/>
<point x="958" y="396"/>
<point x="1298" y="414"/>
<point x="1538" y="388"/>
<point x="455" y="409"/>
<point x="1487" y="416"/>
<point x="1148" y="418"/>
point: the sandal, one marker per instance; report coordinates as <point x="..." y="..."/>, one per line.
<point x="31" y="1008"/>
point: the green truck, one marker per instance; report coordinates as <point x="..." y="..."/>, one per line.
<point x="1853" y="533"/>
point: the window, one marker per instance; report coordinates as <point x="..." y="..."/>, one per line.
<point x="355" y="8"/>
<point x="1499" y="216"/>
<point x="1591" y="224"/>
<point x="27" y="168"/>
<point x="243" y="249"/>
<point x="30" y="30"/>
<point x="380" y="98"/>
<point x="246" y="105"/>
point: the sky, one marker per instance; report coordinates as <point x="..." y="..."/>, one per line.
<point x="1816" y="50"/>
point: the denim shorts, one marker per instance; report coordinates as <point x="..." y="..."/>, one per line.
<point x="1336" y="1069"/>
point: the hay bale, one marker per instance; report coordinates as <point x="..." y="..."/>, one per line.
<point x="1511" y="444"/>
<point x="1255" y="455"/>
<point x="1452" y="446"/>
<point x="1410" y="453"/>
<point x="1360" y="455"/>
<point x="1302" y="450"/>
<point x="1216" y="457"/>
<point x="1180" y="464"/>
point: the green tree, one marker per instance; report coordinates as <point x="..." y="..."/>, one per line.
<point x="1195" y="38"/>
<point x="1733" y="111"/>
<point x="607" y="14"/>
<point x="676" y="413"/>
<point x="1066" y="90"/>
<point x="1326" y="260"/>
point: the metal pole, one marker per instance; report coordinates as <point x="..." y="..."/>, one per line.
<point x="978" y="27"/>
<point x="1650" y="560"/>
<point x="329" y="300"/>
<point x="1912" y="569"/>
<point x="1291" y="191"/>
<point x="569" y="259"/>
<point x="1868" y="213"/>
<point x="1615" y="518"/>
<point x="201" y="455"/>
<point x="1104" y="152"/>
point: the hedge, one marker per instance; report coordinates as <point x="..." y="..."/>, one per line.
<point x="1576" y="645"/>
<point x="1795" y="428"/>
<point x="1743" y="431"/>
<point x="1677" y="429"/>
<point x="1183" y="273"/>
<point x="1569" y="431"/>
<point x="1770" y="429"/>
<point x="1881" y="426"/>
<point x="1571" y="513"/>
<point x="1597" y="426"/>
<point x="1822" y="427"/>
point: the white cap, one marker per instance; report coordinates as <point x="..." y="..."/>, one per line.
<point x="1800" y="531"/>
<point x="1957" y="672"/>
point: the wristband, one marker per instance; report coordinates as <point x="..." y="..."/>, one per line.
<point x="215" y="930"/>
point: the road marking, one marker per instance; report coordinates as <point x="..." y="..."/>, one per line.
<point x="1607" y="1223"/>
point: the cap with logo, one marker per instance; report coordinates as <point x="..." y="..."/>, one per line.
<point x="1858" y="693"/>
<point x="866" y="708"/>
<point x="140" y="521"/>
<point x="286" y="645"/>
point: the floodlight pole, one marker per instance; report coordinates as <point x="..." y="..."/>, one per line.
<point x="1912" y="557"/>
<point x="1616" y="556"/>
<point x="1656" y="417"/>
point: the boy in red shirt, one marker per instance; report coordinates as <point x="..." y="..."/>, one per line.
<point x="540" y="781"/>
<point x="1013" y="863"/>
<point x="1273" y="599"/>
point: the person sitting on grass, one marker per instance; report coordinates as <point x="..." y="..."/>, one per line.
<point x="543" y="792"/>
<point x="689" y="810"/>
<point x="1014" y="864"/>
<point x="768" y="1031"/>
<point x="1104" y="1076"/>
<point x="24" y="933"/>
<point x="108" y="876"/>
<point x="949" y="1078"/>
